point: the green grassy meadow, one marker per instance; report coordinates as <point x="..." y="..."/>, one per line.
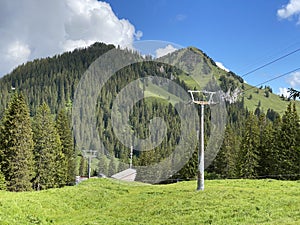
<point x="273" y="101"/>
<point x="106" y="201"/>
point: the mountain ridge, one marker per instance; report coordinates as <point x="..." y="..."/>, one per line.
<point x="58" y="76"/>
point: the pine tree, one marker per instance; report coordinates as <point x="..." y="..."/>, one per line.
<point x="226" y="160"/>
<point x="189" y="170"/>
<point x="288" y="143"/>
<point x="83" y="166"/>
<point x="248" y="156"/>
<point x="65" y="134"/>
<point x="267" y="158"/>
<point x="49" y="159"/>
<point x="274" y="157"/>
<point x="17" y="145"/>
<point x="296" y="158"/>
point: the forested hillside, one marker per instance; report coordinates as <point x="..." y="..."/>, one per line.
<point x="259" y="141"/>
<point x="51" y="80"/>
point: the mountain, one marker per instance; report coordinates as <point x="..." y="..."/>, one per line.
<point x="54" y="79"/>
<point x="233" y="85"/>
<point x="143" y="89"/>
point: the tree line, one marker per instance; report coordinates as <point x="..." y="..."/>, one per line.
<point x="36" y="144"/>
<point x="261" y="148"/>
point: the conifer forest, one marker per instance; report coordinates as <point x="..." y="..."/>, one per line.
<point x="38" y="150"/>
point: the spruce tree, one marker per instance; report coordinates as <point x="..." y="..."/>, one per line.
<point x="83" y="166"/>
<point x="65" y="134"/>
<point x="289" y="143"/>
<point x="266" y="147"/>
<point x="225" y="162"/>
<point x="189" y="170"/>
<point x="17" y="145"/>
<point x="49" y="159"/>
<point x="275" y="151"/>
<point x="248" y="162"/>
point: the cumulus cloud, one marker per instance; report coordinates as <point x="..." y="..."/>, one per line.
<point x="33" y="29"/>
<point x="284" y="92"/>
<point x="17" y="52"/>
<point x="290" y="10"/>
<point x="294" y="80"/>
<point x="164" y="51"/>
<point x="220" y="65"/>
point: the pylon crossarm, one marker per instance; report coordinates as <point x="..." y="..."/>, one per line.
<point x="207" y="98"/>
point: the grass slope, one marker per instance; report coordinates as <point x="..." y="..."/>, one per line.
<point x="272" y="102"/>
<point x="105" y="201"/>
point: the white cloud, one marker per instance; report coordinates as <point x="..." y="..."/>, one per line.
<point x="284" y="92"/>
<point x="138" y="35"/>
<point x="220" y="65"/>
<point x="164" y="51"/>
<point x="18" y="52"/>
<point x="69" y="45"/>
<point x="290" y="10"/>
<point x="33" y="29"/>
<point x="294" y="80"/>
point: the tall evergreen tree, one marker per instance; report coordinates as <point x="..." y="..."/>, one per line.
<point x="17" y="145"/>
<point x="49" y="159"/>
<point x="83" y="166"/>
<point x="189" y="170"/>
<point x="226" y="160"/>
<point x="65" y="134"/>
<point x="248" y="156"/>
<point x="266" y="150"/>
<point x="288" y="143"/>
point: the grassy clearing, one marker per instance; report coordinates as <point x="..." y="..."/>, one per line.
<point x="159" y="92"/>
<point x="105" y="201"/>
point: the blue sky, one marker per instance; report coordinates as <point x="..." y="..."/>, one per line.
<point x="242" y="35"/>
